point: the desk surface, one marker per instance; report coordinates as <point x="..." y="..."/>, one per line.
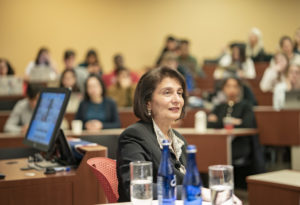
<point x="155" y="202"/>
<point x="289" y="178"/>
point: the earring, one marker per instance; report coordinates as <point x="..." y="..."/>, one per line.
<point x="149" y="112"/>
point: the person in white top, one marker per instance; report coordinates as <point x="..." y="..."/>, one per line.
<point x="254" y="46"/>
<point x="275" y="73"/>
<point x="236" y="63"/>
<point x="291" y="83"/>
<point x="42" y="59"/>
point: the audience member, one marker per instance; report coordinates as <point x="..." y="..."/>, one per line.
<point x="123" y="90"/>
<point x="5" y="68"/>
<point x="247" y="156"/>
<point x="187" y="60"/>
<point x="275" y="73"/>
<point x="292" y="82"/>
<point x="255" y="47"/>
<point x="235" y="63"/>
<point x="111" y="78"/>
<point x="97" y="111"/>
<point x="20" y="116"/>
<point x="68" y="79"/>
<point x="286" y="46"/>
<point x="170" y="45"/>
<point x="44" y="60"/>
<point x="297" y="42"/>
<point x="92" y="63"/>
<point x="81" y="73"/>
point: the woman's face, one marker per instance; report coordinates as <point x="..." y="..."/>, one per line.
<point x="94" y="88"/>
<point x="44" y="57"/>
<point x="232" y="89"/>
<point x="297" y="37"/>
<point x="69" y="80"/>
<point x="253" y="40"/>
<point x="236" y="53"/>
<point x="3" y="68"/>
<point x="91" y="59"/>
<point x="287" y="46"/>
<point x="294" y="76"/>
<point x="281" y="61"/>
<point x="167" y="101"/>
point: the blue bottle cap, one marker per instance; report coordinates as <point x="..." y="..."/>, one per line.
<point x="165" y="143"/>
<point x="191" y="149"/>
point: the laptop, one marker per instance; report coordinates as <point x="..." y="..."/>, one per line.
<point x="292" y="100"/>
<point x="42" y="74"/>
<point x="11" y="85"/>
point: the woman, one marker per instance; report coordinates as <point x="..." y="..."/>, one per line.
<point x="170" y="45"/>
<point x="6" y="68"/>
<point x="42" y="59"/>
<point x="68" y="79"/>
<point x="275" y="73"/>
<point x="292" y="82"/>
<point x="123" y="90"/>
<point x="159" y="101"/>
<point x="237" y="63"/>
<point x="254" y="47"/>
<point x="92" y="62"/>
<point x="97" y="111"/>
<point x="237" y="113"/>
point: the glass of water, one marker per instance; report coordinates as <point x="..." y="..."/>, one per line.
<point x="221" y="184"/>
<point x="141" y="182"/>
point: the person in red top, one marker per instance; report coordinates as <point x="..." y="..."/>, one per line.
<point x="111" y="78"/>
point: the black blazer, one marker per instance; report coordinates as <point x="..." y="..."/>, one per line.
<point x="139" y="143"/>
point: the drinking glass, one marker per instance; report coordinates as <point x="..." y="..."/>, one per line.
<point x="228" y="123"/>
<point x="221" y="184"/>
<point x="141" y="182"/>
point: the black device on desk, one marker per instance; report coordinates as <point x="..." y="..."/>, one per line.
<point x="44" y="133"/>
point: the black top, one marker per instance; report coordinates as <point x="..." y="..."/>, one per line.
<point x="139" y="143"/>
<point x="242" y="110"/>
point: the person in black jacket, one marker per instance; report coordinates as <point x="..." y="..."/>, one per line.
<point x="159" y="100"/>
<point x="247" y="156"/>
<point x="97" y="111"/>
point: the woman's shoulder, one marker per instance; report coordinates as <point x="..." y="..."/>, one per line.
<point x="138" y="129"/>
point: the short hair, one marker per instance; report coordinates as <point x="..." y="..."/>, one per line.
<point x="146" y="86"/>
<point x="32" y="90"/>
<point x="68" y="54"/>
<point x="283" y="38"/>
<point x="86" y="95"/>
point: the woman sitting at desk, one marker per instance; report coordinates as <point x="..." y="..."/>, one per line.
<point x="238" y="113"/>
<point x="159" y="101"/>
<point x="97" y="111"/>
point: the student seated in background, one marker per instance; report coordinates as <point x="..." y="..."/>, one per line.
<point x="97" y="111"/>
<point x="5" y="68"/>
<point x="123" y="90"/>
<point x="187" y="60"/>
<point x="247" y="156"/>
<point x="92" y="63"/>
<point x="20" y="116"/>
<point x="44" y="60"/>
<point x="170" y="46"/>
<point x="286" y="46"/>
<point x="111" y="78"/>
<point x="297" y="42"/>
<point x="237" y="63"/>
<point x="292" y="82"/>
<point x="255" y="47"/>
<point x="275" y="73"/>
<point x="81" y="73"/>
<point x="68" y="79"/>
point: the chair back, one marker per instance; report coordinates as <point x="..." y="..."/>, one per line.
<point x="105" y="170"/>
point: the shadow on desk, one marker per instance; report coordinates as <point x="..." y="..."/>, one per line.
<point x="18" y="152"/>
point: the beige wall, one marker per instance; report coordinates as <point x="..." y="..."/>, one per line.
<point x="136" y="28"/>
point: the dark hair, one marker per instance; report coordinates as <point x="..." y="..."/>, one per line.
<point x="75" y="87"/>
<point x="91" y="52"/>
<point x="171" y="38"/>
<point x="32" y="90"/>
<point x="233" y="77"/>
<point x="184" y="41"/>
<point x="68" y="54"/>
<point x="146" y="86"/>
<point x="10" y="70"/>
<point x="242" y="50"/>
<point x="42" y="50"/>
<point x="86" y="95"/>
<point x="283" y="38"/>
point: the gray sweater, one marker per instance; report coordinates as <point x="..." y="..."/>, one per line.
<point x="20" y="116"/>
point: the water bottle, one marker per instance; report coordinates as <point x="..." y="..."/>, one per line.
<point x="192" y="184"/>
<point x="200" y="121"/>
<point x="166" y="179"/>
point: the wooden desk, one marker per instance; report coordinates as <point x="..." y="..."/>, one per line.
<point x="75" y="187"/>
<point x="155" y="202"/>
<point x="281" y="187"/>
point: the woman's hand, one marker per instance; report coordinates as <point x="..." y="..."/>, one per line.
<point x="93" y="125"/>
